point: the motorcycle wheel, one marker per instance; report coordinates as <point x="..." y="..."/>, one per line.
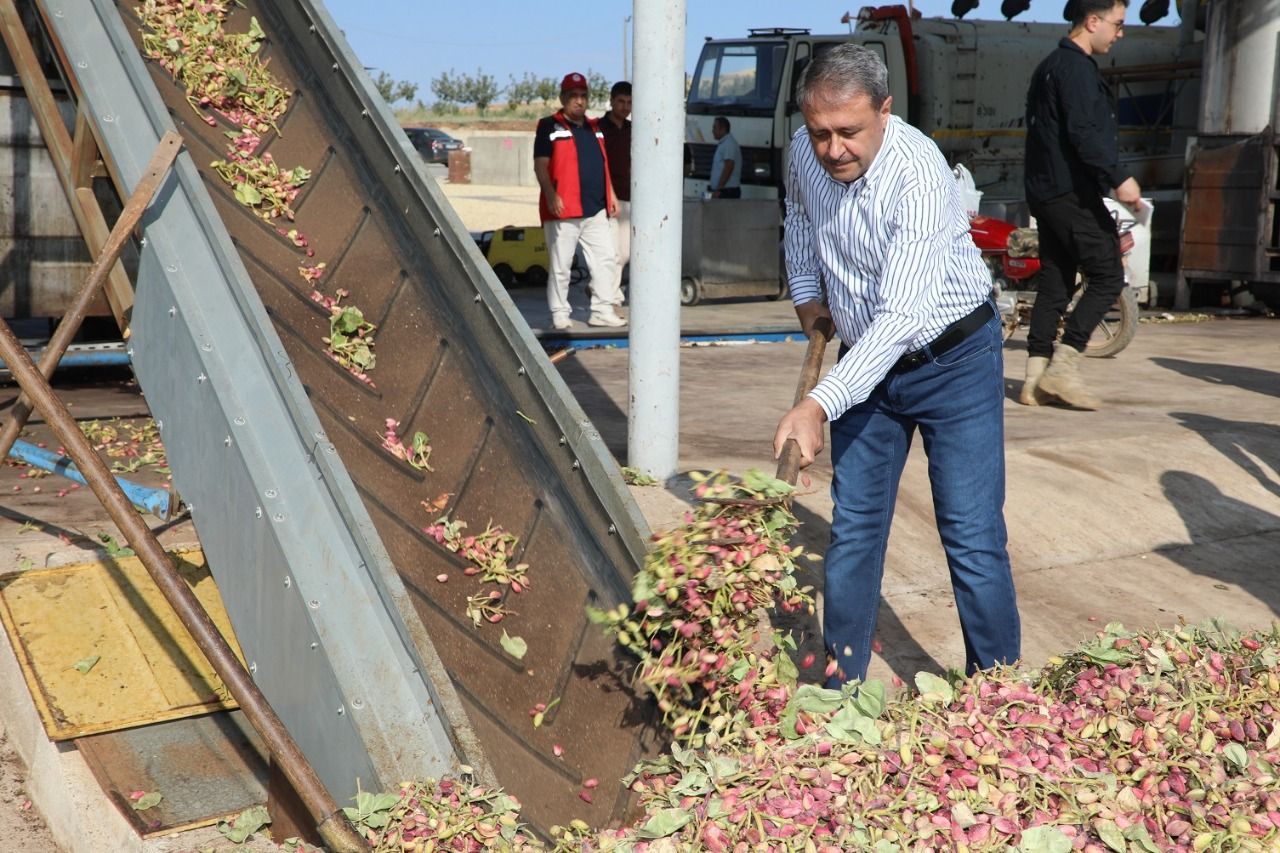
<point x="1117" y="328"/>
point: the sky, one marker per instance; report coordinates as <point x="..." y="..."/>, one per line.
<point x="415" y="40"/>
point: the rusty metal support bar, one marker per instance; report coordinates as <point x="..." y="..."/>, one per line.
<point x="44" y="107"/>
<point x="166" y="152"/>
<point x="331" y="823"/>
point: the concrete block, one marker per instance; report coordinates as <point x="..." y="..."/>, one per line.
<point x="502" y="160"/>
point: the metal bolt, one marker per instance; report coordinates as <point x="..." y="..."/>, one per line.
<point x="129" y="352"/>
<point x="311" y="29"/>
<point x="108" y="117"/>
<point x="227" y="441"/>
<point x="576" y="465"/>
<point x="171" y="267"/>
<point x="314" y="604"/>
<point x="364" y="114"/>
<point x="253" y="666"/>
<point x="397" y="170"/>
<point x="278" y="517"/>
<point x="143" y="242"/>
<point x="173" y="312"/>
<point x="341" y="710"/>
<point x="315" y="645"/>
<point x="82" y="64"/>
<point x="201" y="378"/>
<point x="613" y="528"/>
<point x="520" y="372"/>
<point x="270" y="493"/>
<point x="257" y="512"/>
<point x="206" y="346"/>
<point x="435" y="233"/>
<point x="563" y="441"/>
<point x="239" y="420"/>
<point x="288" y="581"/>
<point x="159" y="423"/>
<point x="477" y="297"/>
<point x="334" y="66"/>
<point x="357" y="704"/>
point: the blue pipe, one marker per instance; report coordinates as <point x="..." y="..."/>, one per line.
<point x="86" y="358"/>
<point x="155" y="501"/>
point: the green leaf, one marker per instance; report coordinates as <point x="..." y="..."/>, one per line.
<point x="1044" y="839"/>
<point x="870" y="698"/>
<point x="1110" y="834"/>
<point x="514" y="646"/>
<point x="147" y="801"/>
<point x="245" y="824"/>
<point x="255" y="29"/>
<point x="1137" y="833"/>
<point x="248" y="195"/>
<point x="114" y="548"/>
<point x="1236" y="754"/>
<point x="934" y="688"/>
<point x="786" y="668"/>
<point x="664" y="822"/>
<point x="83" y="665"/>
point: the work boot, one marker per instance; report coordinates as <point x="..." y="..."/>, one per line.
<point x="1031" y="394"/>
<point x="607" y="319"/>
<point x="1062" y="379"/>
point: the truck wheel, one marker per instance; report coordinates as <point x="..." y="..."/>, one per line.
<point x="1117" y="328"/>
<point x="690" y="290"/>
<point x="505" y="274"/>
<point x="536" y="276"/>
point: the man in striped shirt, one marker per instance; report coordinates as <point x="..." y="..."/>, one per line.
<point x="872" y="209"/>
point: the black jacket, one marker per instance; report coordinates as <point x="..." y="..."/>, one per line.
<point x="1072" y="143"/>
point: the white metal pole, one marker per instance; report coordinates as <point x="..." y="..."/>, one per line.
<point x="653" y="434"/>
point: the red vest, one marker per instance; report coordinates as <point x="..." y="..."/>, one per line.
<point x="564" y="170"/>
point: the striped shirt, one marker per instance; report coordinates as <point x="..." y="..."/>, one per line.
<point x="895" y="252"/>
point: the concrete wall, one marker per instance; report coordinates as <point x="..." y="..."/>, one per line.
<point x="500" y="158"/>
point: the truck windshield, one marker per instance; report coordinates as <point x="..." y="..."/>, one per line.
<point x="737" y="78"/>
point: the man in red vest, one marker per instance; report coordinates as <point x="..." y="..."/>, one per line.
<point x="577" y="200"/>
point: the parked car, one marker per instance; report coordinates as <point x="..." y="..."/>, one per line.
<point x="434" y="145"/>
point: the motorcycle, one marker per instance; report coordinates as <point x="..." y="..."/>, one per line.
<point x="1013" y="256"/>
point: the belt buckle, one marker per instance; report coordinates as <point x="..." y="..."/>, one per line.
<point x="912" y="360"/>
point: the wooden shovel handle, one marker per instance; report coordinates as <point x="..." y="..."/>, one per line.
<point x="789" y="462"/>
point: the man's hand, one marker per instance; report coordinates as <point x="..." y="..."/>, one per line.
<point x="804" y="424"/>
<point x="555" y="205"/>
<point x="1129" y="194"/>
<point x="613" y="207"/>
<point x="808" y="314"/>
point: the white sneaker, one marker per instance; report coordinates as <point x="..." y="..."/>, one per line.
<point x="561" y="324"/>
<point x="610" y="319"/>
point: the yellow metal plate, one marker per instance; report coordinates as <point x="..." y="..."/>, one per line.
<point x="147" y="667"/>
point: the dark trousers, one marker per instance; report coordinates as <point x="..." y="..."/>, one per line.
<point x="1076" y="233"/>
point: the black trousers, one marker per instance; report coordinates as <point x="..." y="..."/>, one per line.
<point x="1076" y="233"/>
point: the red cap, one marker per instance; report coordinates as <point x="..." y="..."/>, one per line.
<point x="573" y="81"/>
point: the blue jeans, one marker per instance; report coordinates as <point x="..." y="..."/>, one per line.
<point x="957" y="403"/>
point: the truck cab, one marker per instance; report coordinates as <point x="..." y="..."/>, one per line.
<point x="963" y="83"/>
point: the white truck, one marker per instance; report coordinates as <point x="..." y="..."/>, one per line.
<point x="962" y="82"/>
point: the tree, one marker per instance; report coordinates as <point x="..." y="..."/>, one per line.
<point x="548" y="89"/>
<point x="393" y="90"/>
<point x="597" y="87"/>
<point x="523" y="91"/>
<point x="480" y="90"/>
<point x="449" y="87"/>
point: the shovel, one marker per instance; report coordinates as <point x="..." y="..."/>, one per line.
<point x="789" y="461"/>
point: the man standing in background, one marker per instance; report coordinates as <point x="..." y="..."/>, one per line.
<point x="575" y="204"/>
<point x="616" y="127"/>
<point x="1073" y="160"/>
<point x="726" y="164"/>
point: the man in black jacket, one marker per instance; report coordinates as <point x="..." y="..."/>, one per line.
<point x="1072" y="162"/>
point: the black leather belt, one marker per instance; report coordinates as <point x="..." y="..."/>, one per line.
<point x="952" y="336"/>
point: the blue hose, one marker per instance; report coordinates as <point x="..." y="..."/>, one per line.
<point x="158" y="502"/>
